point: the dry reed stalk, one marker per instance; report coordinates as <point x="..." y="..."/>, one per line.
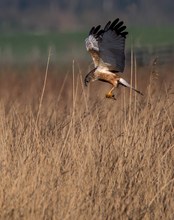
<point x="44" y="85"/>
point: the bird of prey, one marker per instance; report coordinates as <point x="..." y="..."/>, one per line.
<point x="106" y="47"/>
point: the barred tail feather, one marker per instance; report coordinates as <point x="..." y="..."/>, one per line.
<point x="126" y="84"/>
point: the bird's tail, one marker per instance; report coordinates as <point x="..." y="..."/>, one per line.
<point x="124" y="83"/>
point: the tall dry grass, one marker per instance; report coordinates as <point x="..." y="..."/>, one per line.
<point x="69" y="153"/>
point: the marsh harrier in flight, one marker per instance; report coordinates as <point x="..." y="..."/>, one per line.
<point x="106" y="47"/>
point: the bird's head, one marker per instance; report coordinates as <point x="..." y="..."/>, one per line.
<point x="89" y="76"/>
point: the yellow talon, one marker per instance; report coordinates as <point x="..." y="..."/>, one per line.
<point x="110" y="96"/>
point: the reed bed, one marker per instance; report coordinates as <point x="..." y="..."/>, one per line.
<point x="67" y="152"/>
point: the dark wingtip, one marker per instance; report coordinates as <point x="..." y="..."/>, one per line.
<point x="122" y="28"/>
<point x="107" y="26"/>
<point x="91" y="31"/>
<point x="96" y="29"/>
<point x="119" y="27"/>
<point x="125" y="33"/>
<point x="114" y="23"/>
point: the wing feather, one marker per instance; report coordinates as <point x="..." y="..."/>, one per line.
<point x="91" y="31"/>
<point x="107" y="45"/>
<point x="112" y="51"/>
<point x="96" y="29"/>
<point x="114" y="23"/>
<point x="92" y="47"/>
<point x="107" y="26"/>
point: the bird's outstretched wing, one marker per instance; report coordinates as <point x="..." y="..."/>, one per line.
<point x="106" y="46"/>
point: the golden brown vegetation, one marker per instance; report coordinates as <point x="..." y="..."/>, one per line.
<point x="69" y="153"/>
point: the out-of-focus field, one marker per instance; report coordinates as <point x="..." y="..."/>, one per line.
<point x="69" y="153"/>
<point x="25" y="47"/>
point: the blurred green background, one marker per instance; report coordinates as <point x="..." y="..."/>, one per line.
<point x="28" y="29"/>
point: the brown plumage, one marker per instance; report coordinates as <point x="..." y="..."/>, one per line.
<point x="106" y="47"/>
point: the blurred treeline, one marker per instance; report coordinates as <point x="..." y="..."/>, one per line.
<point x="28" y="28"/>
<point x="70" y="14"/>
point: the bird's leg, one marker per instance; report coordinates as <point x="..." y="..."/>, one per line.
<point x="110" y="95"/>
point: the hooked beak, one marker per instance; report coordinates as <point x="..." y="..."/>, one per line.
<point x="87" y="80"/>
<point x="89" y="76"/>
